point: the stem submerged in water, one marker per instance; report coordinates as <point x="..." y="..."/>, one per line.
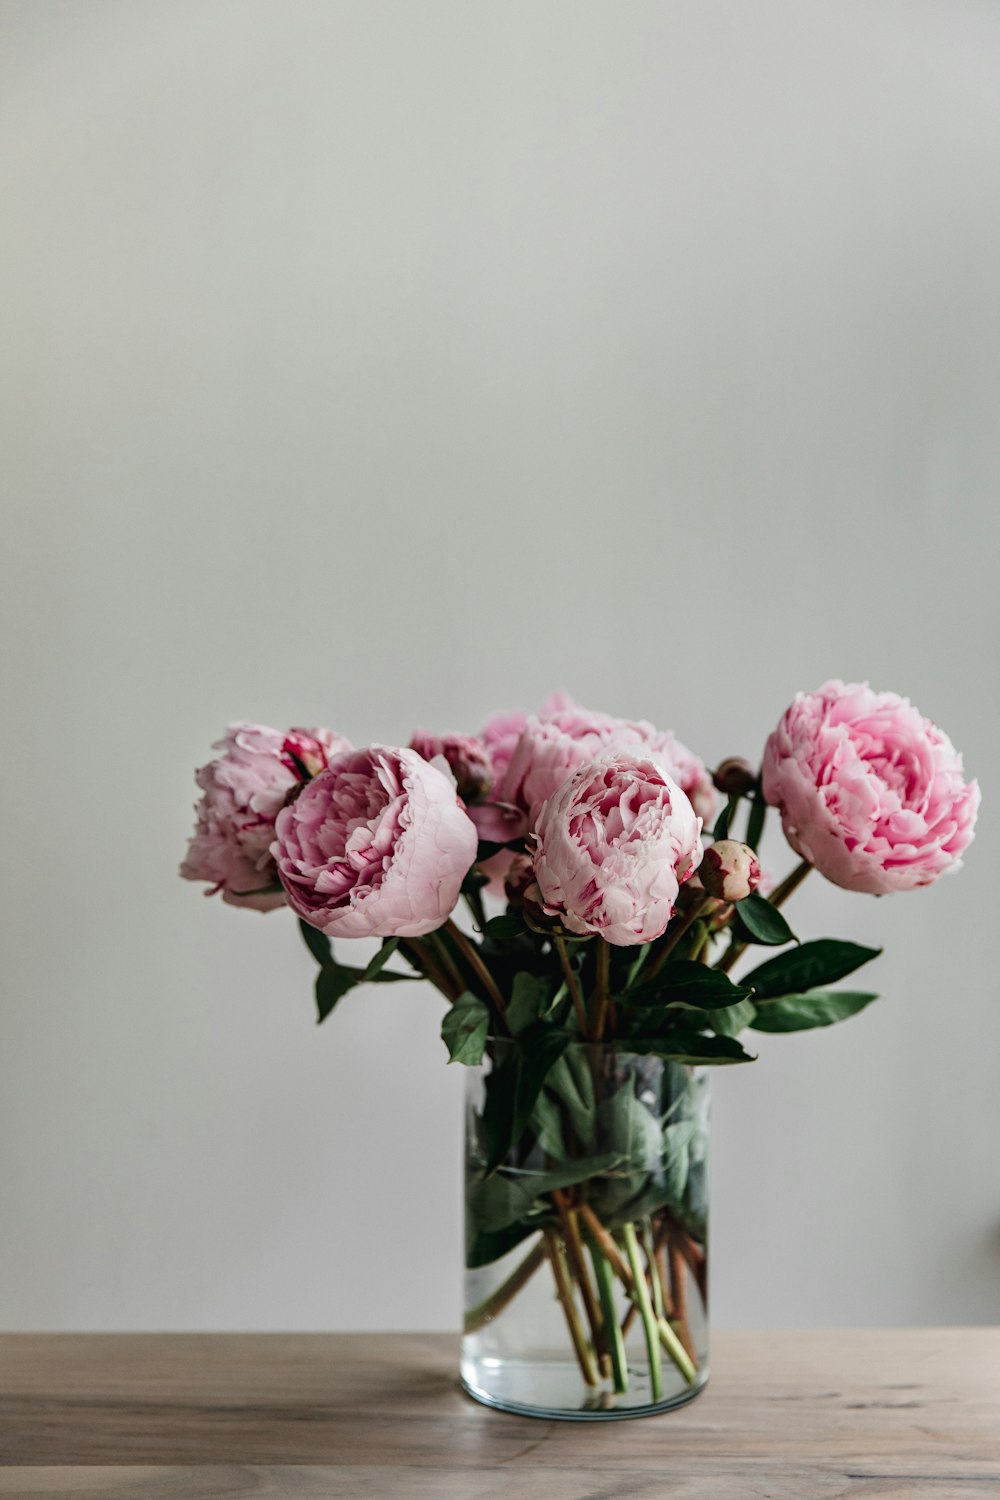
<point x="646" y="1313"/>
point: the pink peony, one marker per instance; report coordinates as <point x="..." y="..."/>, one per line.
<point x="870" y="792"/>
<point x="501" y="733"/>
<point x="467" y="759"/>
<point x="377" y="846"/>
<point x="243" y="792"/>
<point x="550" y="749"/>
<point x="613" y="847"/>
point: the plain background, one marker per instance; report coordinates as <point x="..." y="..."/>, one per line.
<point x="385" y="364"/>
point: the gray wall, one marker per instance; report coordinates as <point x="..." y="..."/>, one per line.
<point x="381" y="364"/>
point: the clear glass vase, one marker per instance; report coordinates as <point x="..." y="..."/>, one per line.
<point x="586" y="1268"/>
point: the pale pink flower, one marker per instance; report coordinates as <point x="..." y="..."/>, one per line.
<point x="550" y="749"/>
<point x="870" y="792"/>
<point x="614" y="845"/>
<point x="377" y="846"/>
<point x="467" y="759"/>
<point x="243" y="790"/>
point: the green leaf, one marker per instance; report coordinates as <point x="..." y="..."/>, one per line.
<point x="540" y="1046"/>
<point x="507" y="926"/>
<point x="692" y="1049"/>
<point x="486" y="1247"/>
<point x="755" y="822"/>
<point x="722" y="822"/>
<point x="572" y="1083"/>
<point x="488" y="847"/>
<point x="498" y="1200"/>
<point x="804" y="968"/>
<point x="687" y="983"/>
<point x="465" y="1028"/>
<point x="333" y="982"/>
<point x="627" y="1127"/>
<point x="547" y="1126"/>
<point x="760" y="922"/>
<point x="317" y="942"/>
<point x="380" y="959"/>
<point x="814" y="1008"/>
<point x="528" y="1001"/>
<point x="733" y="1019"/>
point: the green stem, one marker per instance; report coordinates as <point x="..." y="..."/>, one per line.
<point x="602" y="987"/>
<point x="475" y="904"/>
<point x="778" y="897"/>
<point x="649" y="1322"/>
<point x="673" y="938"/>
<point x="485" y="1312"/>
<point x="603" y="1240"/>
<point x="425" y="965"/>
<point x="559" y="943"/>
<point x="472" y="956"/>
<point x="564" y="1288"/>
<point x="614" y="1342"/>
<point x="790" y="884"/>
<point x="654" y="1278"/>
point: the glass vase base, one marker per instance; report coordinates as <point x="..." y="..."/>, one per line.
<point x="554" y="1391"/>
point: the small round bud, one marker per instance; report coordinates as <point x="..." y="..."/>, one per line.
<point x="734" y="777"/>
<point x="730" y="871"/>
<point x="520" y="875"/>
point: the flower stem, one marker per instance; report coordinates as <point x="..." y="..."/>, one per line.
<point x="559" y="943"/>
<point x="478" y="1317"/>
<point x="612" y="1333"/>
<point x="606" y="1244"/>
<point x="419" y="956"/>
<point x="472" y="956"/>
<point x="790" y="884"/>
<point x="585" y="1358"/>
<point x="645" y="1312"/>
<point x="671" y="941"/>
<point x="778" y="897"/>
<point x="578" y="1265"/>
<point x="602" y="987"/>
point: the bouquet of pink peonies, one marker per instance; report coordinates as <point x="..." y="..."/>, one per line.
<point x="587" y="1010"/>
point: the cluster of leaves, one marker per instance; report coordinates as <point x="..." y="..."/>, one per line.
<point x="629" y="1144"/>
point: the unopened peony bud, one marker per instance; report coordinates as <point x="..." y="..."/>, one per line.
<point x="520" y="875"/>
<point x="730" y="870"/>
<point x="734" y="776"/>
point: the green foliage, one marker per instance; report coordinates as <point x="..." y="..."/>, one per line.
<point x="755" y="821"/>
<point x="757" y="921"/>
<point x="380" y="960"/>
<point x="465" y="1028"/>
<point x="732" y="1019"/>
<point x="813" y="1008"/>
<point x="333" y="979"/>
<point x="317" y="942"/>
<point x="692" y="1048"/>
<point x="684" y="982"/>
<point x="821" y="962"/>
<point x="510" y="925"/>
<point x="529" y="1001"/>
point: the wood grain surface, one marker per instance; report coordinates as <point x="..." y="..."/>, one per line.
<point x="787" y="1416"/>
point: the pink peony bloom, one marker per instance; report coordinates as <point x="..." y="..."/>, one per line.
<point x="243" y="792"/>
<point x="377" y="846"/>
<point x="501" y="733"/>
<point x="550" y="749"/>
<point x="613" y="847"/>
<point x="870" y="792"/>
<point x="466" y="758"/>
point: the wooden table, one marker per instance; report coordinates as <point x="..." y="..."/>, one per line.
<point x="787" y="1416"/>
